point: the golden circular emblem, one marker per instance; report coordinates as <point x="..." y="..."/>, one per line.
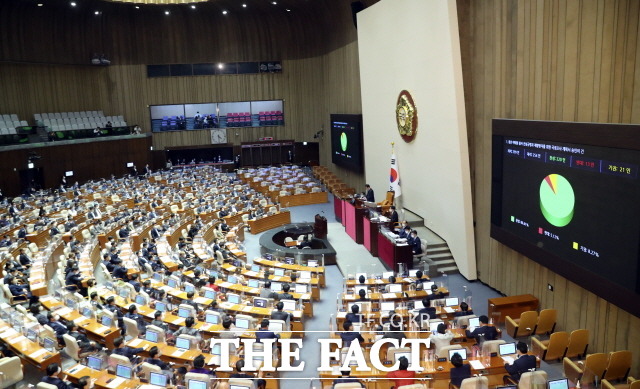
<point x="406" y="116"/>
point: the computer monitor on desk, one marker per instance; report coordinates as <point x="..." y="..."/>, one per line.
<point x="507" y="348"/>
<point x="95" y="362"/>
<point x="461" y="351"/>
<point x="183" y="343"/>
<point x="49" y="344"/>
<point x="195" y="384"/>
<point x="558" y="384"/>
<point x="157" y="379"/>
<point x="451" y="302"/>
<point x="124" y="371"/>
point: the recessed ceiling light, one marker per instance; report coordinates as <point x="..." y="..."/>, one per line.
<point x="193" y="6"/>
<point x="288" y="10"/>
<point x="225" y="12"/>
<point x="73" y="3"/>
<point x="166" y="12"/>
<point x="40" y="4"/>
<point x="274" y="2"/>
<point x="137" y="7"/>
<point x="97" y="13"/>
<point x="220" y="66"/>
<point x="244" y="5"/>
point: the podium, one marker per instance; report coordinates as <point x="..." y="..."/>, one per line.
<point x="320" y="227"/>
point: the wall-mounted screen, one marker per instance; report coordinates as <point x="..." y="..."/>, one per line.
<point x="568" y="196"/>
<point x="179" y="117"/>
<point x="346" y="141"/>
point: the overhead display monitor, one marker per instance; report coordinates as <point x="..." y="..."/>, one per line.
<point x="347" y="141"/>
<point x="567" y="196"/>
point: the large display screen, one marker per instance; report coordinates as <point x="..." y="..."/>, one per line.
<point x="572" y="205"/>
<point x="346" y="141"/>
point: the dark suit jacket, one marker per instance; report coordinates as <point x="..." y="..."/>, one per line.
<point x="370" y="196"/>
<point x="348" y="337"/>
<point x="459" y="373"/>
<point x="521" y="365"/>
<point x="489" y="332"/>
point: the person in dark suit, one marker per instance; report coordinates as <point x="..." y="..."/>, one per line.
<point x="125" y="351"/>
<point x="405" y="233"/>
<point x="279" y="314"/>
<point x="368" y="193"/>
<point x="354" y="315"/>
<point x="53" y="371"/>
<point x="285" y="295"/>
<point x="154" y="358"/>
<point x="485" y="331"/>
<point x="393" y="216"/>
<point x="349" y="335"/>
<point x="414" y="241"/>
<point x="22" y="232"/>
<point x="459" y="371"/>
<point x="345" y="378"/>
<point x="24" y="258"/>
<point x="264" y="333"/>
<point x="426" y="313"/>
<point x="522" y="364"/>
<point x="464" y="310"/>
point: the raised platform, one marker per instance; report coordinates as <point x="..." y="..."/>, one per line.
<point x="272" y="242"/>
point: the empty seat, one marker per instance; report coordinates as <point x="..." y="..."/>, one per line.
<point x="618" y="366"/>
<point x="523" y="326"/>
<point x="578" y="343"/>
<point x="554" y="348"/>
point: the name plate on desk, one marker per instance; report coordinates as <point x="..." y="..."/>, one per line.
<point x="37" y="353"/>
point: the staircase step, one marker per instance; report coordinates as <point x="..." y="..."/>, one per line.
<point x="439" y="257"/>
<point x="448" y="270"/>
<point x="438" y="246"/>
<point x="438" y="250"/>
<point x="446" y="262"/>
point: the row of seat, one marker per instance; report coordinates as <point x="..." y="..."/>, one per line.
<point x="9" y="123"/>
<point x="599" y="366"/>
<point x="65" y="115"/>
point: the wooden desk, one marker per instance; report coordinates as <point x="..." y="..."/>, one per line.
<point x="94" y="330"/>
<point x="435" y="374"/>
<point x="501" y="307"/>
<point x="266" y="223"/>
<point x="27" y="350"/>
<point x="393" y="254"/>
<point x="103" y="380"/>
<point x="303" y="199"/>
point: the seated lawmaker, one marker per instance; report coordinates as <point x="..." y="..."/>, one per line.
<point x="53" y="377"/>
<point x="349" y="335"/>
<point x="354" y="315"/>
<point x="464" y="310"/>
<point x="523" y="363"/>
<point x="459" y="371"/>
<point x="484" y="332"/>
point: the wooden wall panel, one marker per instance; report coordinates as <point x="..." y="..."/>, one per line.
<point x="316" y="42"/>
<point x="564" y="60"/>
<point x="89" y="161"/>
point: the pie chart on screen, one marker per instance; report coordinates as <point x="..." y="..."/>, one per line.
<point x="343" y="141"/>
<point x="557" y="200"/>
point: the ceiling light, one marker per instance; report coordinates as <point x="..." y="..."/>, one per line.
<point x="97" y="13"/>
<point x="193" y="6"/>
<point x="166" y="12"/>
<point x="73" y="3"/>
<point x="225" y="12"/>
<point x="137" y="7"/>
<point x="40" y="4"/>
<point x="274" y="2"/>
<point x="163" y="2"/>
<point x="288" y="10"/>
<point x="244" y="5"/>
<point x="220" y="66"/>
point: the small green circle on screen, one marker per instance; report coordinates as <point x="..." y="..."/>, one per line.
<point x="557" y="200"/>
<point x="343" y="141"/>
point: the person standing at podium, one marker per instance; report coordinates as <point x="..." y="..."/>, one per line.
<point x="368" y="193"/>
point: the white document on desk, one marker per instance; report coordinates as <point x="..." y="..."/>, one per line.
<point x="508" y="360"/>
<point x="388" y="296"/>
<point x="37" y="353"/>
<point x="475" y="364"/>
<point x="448" y="310"/>
<point x="115" y="382"/>
<point x="177" y="353"/>
<point x="135" y="342"/>
<point x="17" y="339"/>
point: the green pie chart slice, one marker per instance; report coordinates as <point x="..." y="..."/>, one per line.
<point x="557" y="200"/>
<point x="343" y="141"/>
